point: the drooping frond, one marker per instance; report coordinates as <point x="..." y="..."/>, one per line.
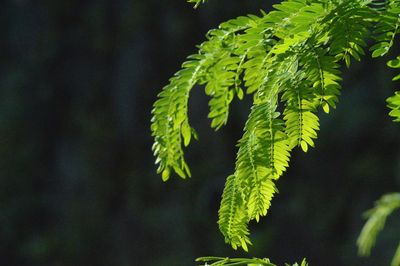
<point x="315" y="84"/>
<point x="263" y="156"/>
<point x="301" y="121"/>
<point x="232" y="215"/>
<point x="170" y="123"/>
<point x="375" y="223"/>
<point x="300" y="67"/>
<point x="222" y="78"/>
<point x="387" y="27"/>
<point x="349" y="39"/>
<point x="322" y="71"/>
<point x="223" y="75"/>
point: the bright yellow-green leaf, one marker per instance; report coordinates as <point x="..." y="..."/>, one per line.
<point x="165" y="174"/>
<point x="304" y="146"/>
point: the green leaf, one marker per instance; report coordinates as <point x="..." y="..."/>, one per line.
<point x="325" y="107"/>
<point x="379" y="52"/>
<point x="304" y="146"/>
<point x="186" y="133"/>
<point x="395" y="63"/>
<point x="165" y="175"/>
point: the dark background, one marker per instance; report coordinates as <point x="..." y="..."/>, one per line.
<point x="77" y="179"/>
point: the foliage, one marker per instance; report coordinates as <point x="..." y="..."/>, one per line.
<point x="394" y="101"/>
<point x="388" y="203"/>
<point x="376" y="221"/>
<point x="289" y="61"/>
<point x="220" y="261"/>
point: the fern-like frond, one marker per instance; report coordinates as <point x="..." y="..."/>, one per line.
<point x="263" y="156"/>
<point x="220" y="87"/>
<point x="301" y="121"/>
<point x="376" y="221"/>
<point x="225" y="67"/>
<point x="316" y="83"/>
<point x="282" y="28"/>
<point x="349" y="39"/>
<point x="232" y="215"/>
<point x="322" y="70"/>
<point x="264" y="149"/>
<point x="170" y="123"/>
<point x="387" y="28"/>
<point x="295" y="16"/>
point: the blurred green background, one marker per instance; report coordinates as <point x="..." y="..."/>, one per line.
<point x="77" y="179"/>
